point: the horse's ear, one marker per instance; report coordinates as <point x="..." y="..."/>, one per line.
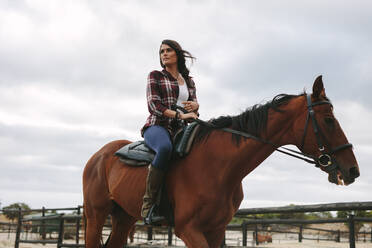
<point x="318" y="88"/>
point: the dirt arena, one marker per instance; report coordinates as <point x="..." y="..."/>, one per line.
<point x="233" y="239"/>
<point x="7" y="241"/>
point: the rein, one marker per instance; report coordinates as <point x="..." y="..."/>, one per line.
<point x="290" y="152"/>
<point x="326" y="160"/>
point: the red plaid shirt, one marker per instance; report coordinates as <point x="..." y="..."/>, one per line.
<point x="162" y="93"/>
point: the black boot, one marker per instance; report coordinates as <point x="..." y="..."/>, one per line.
<point x="154" y="181"/>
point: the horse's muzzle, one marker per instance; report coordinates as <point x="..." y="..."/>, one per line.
<point x="344" y="178"/>
<point x="354" y="172"/>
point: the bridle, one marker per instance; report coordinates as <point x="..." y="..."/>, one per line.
<point x="326" y="160"/>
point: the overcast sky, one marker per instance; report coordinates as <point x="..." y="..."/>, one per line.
<point x="73" y="77"/>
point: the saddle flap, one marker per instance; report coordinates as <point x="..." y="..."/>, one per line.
<point x="184" y="140"/>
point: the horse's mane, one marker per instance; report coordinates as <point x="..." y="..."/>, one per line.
<point x="253" y="120"/>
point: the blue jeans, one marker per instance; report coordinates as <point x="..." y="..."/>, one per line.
<point x="158" y="139"/>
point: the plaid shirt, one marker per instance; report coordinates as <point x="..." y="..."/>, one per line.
<point x="162" y="93"/>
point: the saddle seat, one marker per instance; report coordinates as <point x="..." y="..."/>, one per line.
<point x="138" y="154"/>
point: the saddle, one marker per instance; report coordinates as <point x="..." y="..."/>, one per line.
<point x="138" y="154"/>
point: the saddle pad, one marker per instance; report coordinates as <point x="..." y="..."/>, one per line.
<point x="137" y="151"/>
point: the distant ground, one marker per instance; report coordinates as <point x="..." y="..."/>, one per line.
<point x="7" y="241"/>
<point x="3" y="218"/>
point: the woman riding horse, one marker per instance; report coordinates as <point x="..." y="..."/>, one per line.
<point x="165" y="89"/>
<point x="205" y="187"/>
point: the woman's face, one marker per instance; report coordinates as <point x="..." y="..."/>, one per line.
<point x="168" y="55"/>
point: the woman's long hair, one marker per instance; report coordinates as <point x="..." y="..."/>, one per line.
<point x="181" y="55"/>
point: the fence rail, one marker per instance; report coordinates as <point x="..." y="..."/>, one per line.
<point x="344" y="206"/>
<point x="249" y="217"/>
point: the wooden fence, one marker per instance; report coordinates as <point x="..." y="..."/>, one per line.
<point x="249" y="223"/>
<point x="25" y="223"/>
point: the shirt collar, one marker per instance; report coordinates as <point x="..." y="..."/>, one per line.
<point x="165" y="72"/>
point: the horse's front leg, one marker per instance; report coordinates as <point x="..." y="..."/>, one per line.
<point x="203" y="226"/>
<point x="215" y="237"/>
<point x="191" y="236"/>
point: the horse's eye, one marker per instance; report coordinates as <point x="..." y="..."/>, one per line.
<point x="329" y="121"/>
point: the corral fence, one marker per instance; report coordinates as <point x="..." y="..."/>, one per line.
<point x="43" y="222"/>
<point x="65" y="230"/>
<point x="351" y="220"/>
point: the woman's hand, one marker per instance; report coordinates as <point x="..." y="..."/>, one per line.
<point x="187" y="116"/>
<point x="190" y="106"/>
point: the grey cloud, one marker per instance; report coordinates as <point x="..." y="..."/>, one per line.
<point x="248" y="51"/>
<point x="41" y="179"/>
<point x="54" y="146"/>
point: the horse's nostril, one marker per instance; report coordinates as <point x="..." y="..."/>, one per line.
<point x="354" y="172"/>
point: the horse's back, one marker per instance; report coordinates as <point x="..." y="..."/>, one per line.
<point x="96" y="165"/>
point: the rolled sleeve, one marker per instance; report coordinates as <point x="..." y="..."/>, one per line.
<point x="192" y="91"/>
<point x="154" y="103"/>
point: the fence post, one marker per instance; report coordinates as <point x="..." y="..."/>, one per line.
<point x="170" y="235"/>
<point x="43" y="231"/>
<point x="9" y="229"/>
<point x="78" y="226"/>
<point x="351" y="231"/>
<point x="19" y="227"/>
<point x="149" y="233"/>
<point x="61" y="231"/>
<point x="256" y="234"/>
<point x="300" y="235"/>
<point x="338" y="237"/>
<point x="244" y="231"/>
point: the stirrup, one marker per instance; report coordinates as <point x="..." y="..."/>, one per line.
<point x="152" y="219"/>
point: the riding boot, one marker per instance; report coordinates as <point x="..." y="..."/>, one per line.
<point x="153" y="183"/>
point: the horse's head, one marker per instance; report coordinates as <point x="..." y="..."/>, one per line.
<point x="321" y="136"/>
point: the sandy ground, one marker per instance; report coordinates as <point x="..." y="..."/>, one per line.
<point x="315" y="244"/>
<point x="7" y="241"/>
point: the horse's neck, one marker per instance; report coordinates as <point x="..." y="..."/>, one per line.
<point x="251" y="153"/>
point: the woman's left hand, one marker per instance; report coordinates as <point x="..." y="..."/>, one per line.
<point x="190" y="106"/>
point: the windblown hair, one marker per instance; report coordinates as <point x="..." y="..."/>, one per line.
<point x="181" y="57"/>
<point x="253" y="120"/>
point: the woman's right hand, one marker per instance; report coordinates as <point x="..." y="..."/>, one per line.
<point x="190" y="115"/>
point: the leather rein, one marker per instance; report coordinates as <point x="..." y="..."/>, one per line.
<point x="325" y="160"/>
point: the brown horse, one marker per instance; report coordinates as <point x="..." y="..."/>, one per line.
<point x="205" y="188"/>
<point x="264" y="238"/>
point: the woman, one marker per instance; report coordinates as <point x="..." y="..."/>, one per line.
<point x="165" y="89"/>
